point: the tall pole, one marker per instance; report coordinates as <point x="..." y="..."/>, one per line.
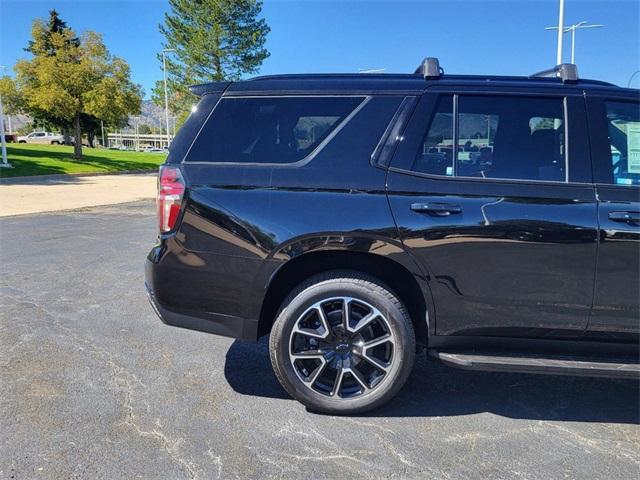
<point x="560" y="33"/>
<point x="572" y="29"/>
<point x="5" y="163"/>
<point x="102" y="129"/>
<point x="166" y="95"/>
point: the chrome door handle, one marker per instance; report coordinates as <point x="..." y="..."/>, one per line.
<point x="438" y="209"/>
<point x="626" y="217"/>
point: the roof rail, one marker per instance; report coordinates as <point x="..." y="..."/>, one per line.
<point x="568" y="72"/>
<point x="430" y="68"/>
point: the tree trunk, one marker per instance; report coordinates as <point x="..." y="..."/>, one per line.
<point x="77" y="144"/>
<point x="90" y="138"/>
<point x="66" y="136"/>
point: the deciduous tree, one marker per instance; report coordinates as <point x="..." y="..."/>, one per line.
<point x="69" y="77"/>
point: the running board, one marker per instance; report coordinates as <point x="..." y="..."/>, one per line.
<point x="565" y="365"/>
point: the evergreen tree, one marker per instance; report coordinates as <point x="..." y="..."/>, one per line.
<point x="214" y="40"/>
<point x="42" y="32"/>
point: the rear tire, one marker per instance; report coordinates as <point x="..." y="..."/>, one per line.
<point x="342" y="343"/>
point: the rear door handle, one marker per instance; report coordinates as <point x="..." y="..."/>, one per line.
<point x="438" y="209"/>
<point x="626" y="217"/>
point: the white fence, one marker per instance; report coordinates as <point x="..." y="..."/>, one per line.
<point x="138" y="141"/>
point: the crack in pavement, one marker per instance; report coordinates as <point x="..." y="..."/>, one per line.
<point x="125" y="381"/>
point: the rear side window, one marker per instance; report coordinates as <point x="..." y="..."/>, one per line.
<point x="517" y="138"/>
<point x="623" y="125"/>
<point x="269" y="129"/>
<point x="199" y="113"/>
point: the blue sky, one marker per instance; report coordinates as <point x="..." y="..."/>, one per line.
<point x="469" y="36"/>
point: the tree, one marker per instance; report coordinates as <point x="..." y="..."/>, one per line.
<point x="12" y="100"/>
<point x="41" y="32"/>
<point x="214" y="40"/>
<point x="144" y="129"/>
<point x="67" y="79"/>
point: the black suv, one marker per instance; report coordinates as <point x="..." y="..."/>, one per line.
<point x="494" y="221"/>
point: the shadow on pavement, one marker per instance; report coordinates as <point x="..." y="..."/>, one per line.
<point x="436" y="390"/>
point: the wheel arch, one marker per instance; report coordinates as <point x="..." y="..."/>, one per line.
<point x="400" y="274"/>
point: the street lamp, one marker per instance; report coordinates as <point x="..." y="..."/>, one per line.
<point x="572" y="29"/>
<point x="166" y="96"/>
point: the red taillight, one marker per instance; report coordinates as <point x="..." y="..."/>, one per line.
<point x="170" y="192"/>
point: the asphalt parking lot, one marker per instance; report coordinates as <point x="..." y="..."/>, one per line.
<point x="95" y="386"/>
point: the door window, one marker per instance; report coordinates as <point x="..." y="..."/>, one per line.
<point x="517" y="138"/>
<point x="623" y="133"/>
<point x="436" y="153"/>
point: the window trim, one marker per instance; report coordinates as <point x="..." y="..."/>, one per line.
<point x="392" y="136"/>
<point x="455" y="95"/>
<point x="299" y="163"/>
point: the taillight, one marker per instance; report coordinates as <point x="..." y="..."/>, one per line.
<point x="170" y="192"/>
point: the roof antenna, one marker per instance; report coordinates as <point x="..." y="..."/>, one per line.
<point x="567" y="72"/>
<point x="429" y="68"/>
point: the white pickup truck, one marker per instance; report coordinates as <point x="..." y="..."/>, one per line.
<point x="42" y="137"/>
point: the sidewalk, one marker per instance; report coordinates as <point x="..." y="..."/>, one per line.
<point x="26" y="195"/>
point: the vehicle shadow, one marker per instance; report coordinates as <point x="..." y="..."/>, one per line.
<point x="435" y="390"/>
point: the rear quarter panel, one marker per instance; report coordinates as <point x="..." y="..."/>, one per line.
<point x="241" y="223"/>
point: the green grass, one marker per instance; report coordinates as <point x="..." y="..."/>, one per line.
<point x="29" y="159"/>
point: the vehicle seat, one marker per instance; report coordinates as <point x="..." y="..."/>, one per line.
<point x="549" y="159"/>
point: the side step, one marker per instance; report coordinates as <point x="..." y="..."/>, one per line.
<point x="556" y="365"/>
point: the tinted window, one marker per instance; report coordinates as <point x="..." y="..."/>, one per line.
<point x="269" y="129"/>
<point x="498" y="137"/>
<point x="436" y="154"/>
<point x="623" y="124"/>
<point x="199" y="113"/>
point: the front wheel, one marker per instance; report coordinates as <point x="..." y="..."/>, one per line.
<point x="342" y="343"/>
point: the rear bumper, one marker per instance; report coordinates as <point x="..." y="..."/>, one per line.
<point x="219" y="324"/>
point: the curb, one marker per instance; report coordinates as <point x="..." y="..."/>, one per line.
<point x="62" y="176"/>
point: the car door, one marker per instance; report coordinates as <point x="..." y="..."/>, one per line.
<point x="491" y="192"/>
<point x="39" y="137"/>
<point x="615" y="133"/>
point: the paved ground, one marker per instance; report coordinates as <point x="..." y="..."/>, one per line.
<point x="19" y="196"/>
<point x="94" y="386"/>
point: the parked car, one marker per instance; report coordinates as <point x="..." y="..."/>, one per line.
<point x="42" y="137"/>
<point x="333" y="213"/>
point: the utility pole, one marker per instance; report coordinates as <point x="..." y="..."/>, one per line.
<point x="572" y="29"/>
<point x="166" y="95"/>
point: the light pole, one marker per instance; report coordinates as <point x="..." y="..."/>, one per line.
<point x="5" y="163"/>
<point x="560" y="33"/>
<point x="572" y="29"/>
<point x="3" y="141"/>
<point x="166" y="95"/>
